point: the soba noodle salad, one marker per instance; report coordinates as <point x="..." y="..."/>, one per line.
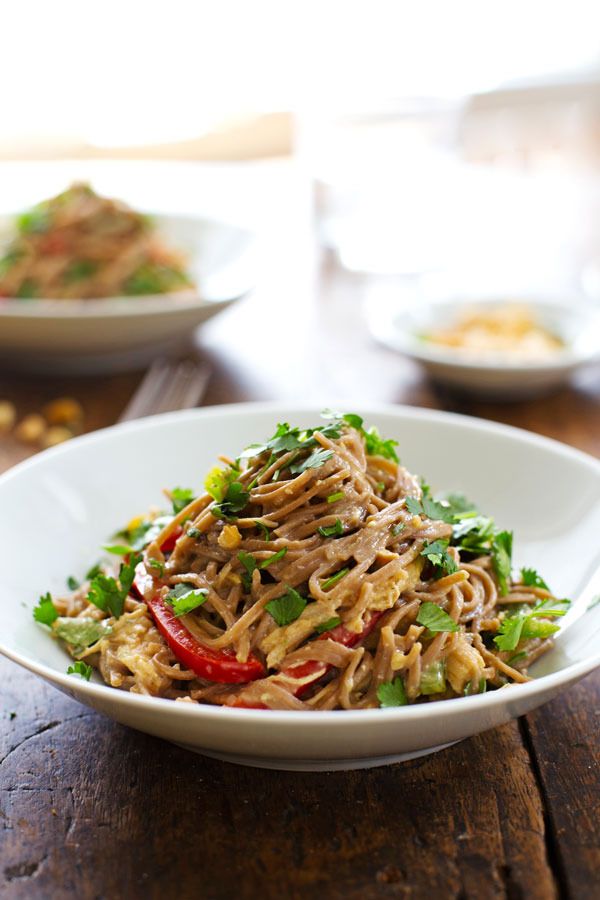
<point x="79" y="245"/>
<point x="313" y="572"/>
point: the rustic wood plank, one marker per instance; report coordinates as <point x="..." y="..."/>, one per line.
<point x="90" y="809"/>
<point x="563" y="740"/>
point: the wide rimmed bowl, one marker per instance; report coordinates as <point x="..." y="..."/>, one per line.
<point x="126" y="332"/>
<point x="57" y="508"/>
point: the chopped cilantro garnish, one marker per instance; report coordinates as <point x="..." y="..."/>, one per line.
<point x="392" y="693"/>
<point x="329" y="582"/>
<point x="34" y="221"/>
<point x="265" y="563"/>
<point x="180" y="497"/>
<point x="531" y="578"/>
<point x="80" y="632"/>
<point x="396" y="529"/>
<point x="437" y="554"/>
<point x="430" y="508"/>
<point x="193" y="532"/>
<point x="156" y="564"/>
<point x="107" y="593"/>
<point x="266" y="533"/>
<point x="375" y="445"/>
<point x="45" y="611"/>
<point x="332" y="530"/>
<point x="333" y="498"/>
<point x="249" y="563"/>
<point x="316" y="459"/>
<point x="328" y="625"/>
<point x="218" y="480"/>
<point x="184" y="597"/>
<point x="287" y="608"/>
<point x="80" y="668"/>
<point x="92" y="572"/>
<point x="525" y="625"/>
<point x="118" y="549"/>
<point x="235" y="500"/>
<point x="72" y="583"/>
<point x="434" y="618"/>
<point x="286" y="439"/>
<point x="474" y="535"/>
<point x="78" y="270"/>
<point x="502" y="558"/>
<point x="27" y="290"/>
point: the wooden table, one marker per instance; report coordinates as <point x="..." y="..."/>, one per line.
<point x="94" y="811"/>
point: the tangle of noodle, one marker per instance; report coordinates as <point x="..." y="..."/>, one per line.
<point x="380" y="545"/>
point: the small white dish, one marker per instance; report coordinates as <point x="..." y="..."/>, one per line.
<point x="400" y="324"/>
<point x="81" y="491"/>
<point x="126" y="332"/>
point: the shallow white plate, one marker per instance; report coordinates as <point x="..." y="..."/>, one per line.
<point x="399" y="323"/>
<point x="81" y="491"/>
<point x="121" y="332"/>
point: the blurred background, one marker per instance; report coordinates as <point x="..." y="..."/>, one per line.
<point x="447" y="147"/>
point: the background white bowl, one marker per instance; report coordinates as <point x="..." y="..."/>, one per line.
<point x="57" y="509"/>
<point x="125" y="332"/>
<point x="399" y="323"/>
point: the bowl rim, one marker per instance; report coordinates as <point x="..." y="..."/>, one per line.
<point x="309" y="718"/>
<point x="124" y="306"/>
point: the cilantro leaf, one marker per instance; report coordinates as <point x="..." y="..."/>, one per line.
<point x="107" y="593"/>
<point x="375" y="445"/>
<point x="184" y="597"/>
<point x="525" y="625"/>
<point x="392" y="693"/>
<point x="474" y="535"/>
<point x="80" y="668"/>
<point x="458" y="505"/>
<point x="80" y="632"/>
<point x="328" y="625"/>
<point x="502" y="559"/>
<point x="45" y="611"/>
<point x="531" y="578"/>
<point x="235" y="500"/>
<point x="118" y="549"/>
<point x="437" y="554"/>
<point x="332" y="530"/>
<point x="316" y="459"/>
<point x="180" y="497"/>
<point x="287" y="608"/>
<point x="430" y="508"/>
<point x="249" y="563"/>
<point x="434" y="618"/>
<point x="72" y="583"/>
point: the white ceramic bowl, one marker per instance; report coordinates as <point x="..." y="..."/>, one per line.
<point x="399" y="324"/>
<point x="125" y="332"/>
<point x="81" y="491"/>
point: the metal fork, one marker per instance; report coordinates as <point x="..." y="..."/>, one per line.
<point x="168" y="384"/>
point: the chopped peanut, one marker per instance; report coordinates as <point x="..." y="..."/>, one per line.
<point x="31" y="429"/>
<point x="8" y="416"/>
<point x="230" y="537"/>
<point x="57" y="434"/>
<point x="63" y="411"/>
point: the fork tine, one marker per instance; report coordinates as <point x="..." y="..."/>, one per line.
<point x="168" y="385"/>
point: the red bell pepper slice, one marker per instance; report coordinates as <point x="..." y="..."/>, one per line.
<point x="220" y="666"/>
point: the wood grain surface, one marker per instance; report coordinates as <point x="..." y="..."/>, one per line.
<point x="94" y="811"/>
